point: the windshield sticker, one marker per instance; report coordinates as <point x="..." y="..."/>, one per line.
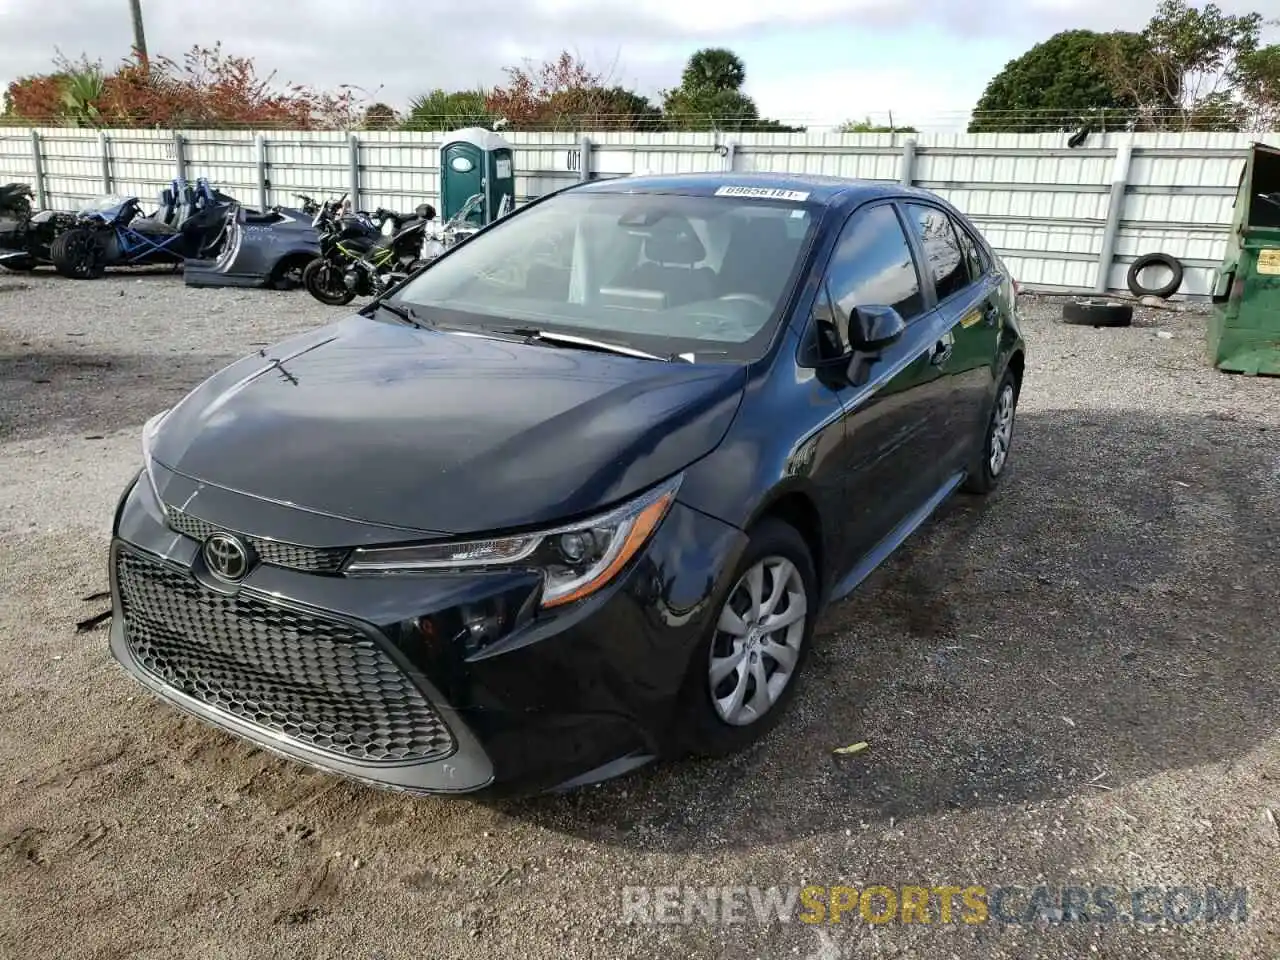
<point x="764" y="193"/>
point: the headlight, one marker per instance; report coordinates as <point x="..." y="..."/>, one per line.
<point x="149" y="431"/>
<point x="576" y="560"/>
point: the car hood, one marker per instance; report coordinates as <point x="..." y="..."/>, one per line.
<point x="442" y="432"/>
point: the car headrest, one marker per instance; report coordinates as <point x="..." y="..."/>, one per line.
<point x="767" y="232"/>
<point x="674" y="242"/>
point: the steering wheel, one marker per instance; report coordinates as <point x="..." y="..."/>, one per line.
<point x="749" y="298"/>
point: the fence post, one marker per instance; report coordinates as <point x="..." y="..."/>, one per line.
<point x="730" y="156"/>
<point x="37" y="162"/>
<point x="104" y="148"/>
<point x="353" y="160"/>
<point x="180" y="155"/>
<point x="907" y="168"/>
<point x="584" y="157"/>
<point x="1119" y="181"/>
<point x="260" y="158"/>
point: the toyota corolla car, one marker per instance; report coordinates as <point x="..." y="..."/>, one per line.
<point x="571" y="498"/>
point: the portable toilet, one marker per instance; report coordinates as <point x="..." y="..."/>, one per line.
<point x="1244" y="327"/>
<point x="475" y="160"/>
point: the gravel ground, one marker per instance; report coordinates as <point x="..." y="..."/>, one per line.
<point x="1072" y="683"/>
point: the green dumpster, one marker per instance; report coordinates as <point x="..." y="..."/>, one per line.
<point x="1244" y="327"/>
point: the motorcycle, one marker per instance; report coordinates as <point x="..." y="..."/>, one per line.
<point x="25" y="237"/>
<point x="362" y="254"/>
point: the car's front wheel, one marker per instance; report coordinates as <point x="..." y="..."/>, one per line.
<point x="79" y="254"/>
<point x="744" y="672"/>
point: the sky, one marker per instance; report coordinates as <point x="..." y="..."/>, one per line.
<point x="812" y="62"/>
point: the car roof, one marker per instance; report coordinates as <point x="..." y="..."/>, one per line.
<point x="822" y="190"/>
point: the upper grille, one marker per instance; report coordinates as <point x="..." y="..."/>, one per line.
<point x="309" y="559"/>
<point x="315" y="680"/>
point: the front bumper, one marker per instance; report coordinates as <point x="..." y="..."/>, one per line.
<point x="378" y="679"/>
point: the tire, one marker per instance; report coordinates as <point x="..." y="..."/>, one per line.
<point x="1097" y="313"/>
<point x="78" y="254"/>
<point x="20" y="264"/>
<point x="1150" y="260"/>
<point x="776" y="548"/>
<point x="319" y="280"/>
<point x="287" y="274"/>
<point x="989" y="463"/>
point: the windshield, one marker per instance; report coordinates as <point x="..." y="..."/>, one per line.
<point x="104" y="205"/>
<point x="660" y="273"/>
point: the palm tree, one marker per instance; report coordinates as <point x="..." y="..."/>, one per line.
<point x="713" y="70"/>
<point x="81" y="92"/>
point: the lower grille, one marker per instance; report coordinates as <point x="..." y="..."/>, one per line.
<point x="310" y="559"/>
<point x="317" y="681"/>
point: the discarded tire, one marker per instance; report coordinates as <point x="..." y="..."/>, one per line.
<point x="1097" y="313"/>
<point x="1150" y="260"/>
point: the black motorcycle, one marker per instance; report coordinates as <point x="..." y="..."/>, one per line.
<point x="26" y="238"/>
<point x="363" y="254"/>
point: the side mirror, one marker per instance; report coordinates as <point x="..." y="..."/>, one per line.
<point x="872" y="328"/>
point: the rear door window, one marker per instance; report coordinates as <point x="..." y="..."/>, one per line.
<point x="973" y="252"/>
<point x="945" y="261"/>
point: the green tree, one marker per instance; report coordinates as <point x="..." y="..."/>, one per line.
<point x="605" y="108"/>
<point x="379" y="116"/>
<point x="449" y="110"/>
<point x="866" y="126"/>
<point x="1258" y="85"/>
<point x="713" y="70"/>
<point x="1188" y="68"/>
<point x="1056" y="85"/>
<point x="710" y="96"/>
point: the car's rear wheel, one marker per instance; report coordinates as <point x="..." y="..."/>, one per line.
<point x="991" y="461"/>
<point x="745" y="670"/>
<point x="79" y="254"/>
<point x="287" y="274"/>
<point x="323" y="281"/>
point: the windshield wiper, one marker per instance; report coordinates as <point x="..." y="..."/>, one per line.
<point x="532" y="334"/>
<point x="404" y="313"/>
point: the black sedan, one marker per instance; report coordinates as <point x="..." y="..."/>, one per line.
<point x="573" y="496"/>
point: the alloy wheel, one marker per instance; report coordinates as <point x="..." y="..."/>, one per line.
<point x="1001" y="431"/>
<point x="757" y="643"/>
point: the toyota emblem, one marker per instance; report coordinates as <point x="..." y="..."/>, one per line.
<point x="226" y="557"/>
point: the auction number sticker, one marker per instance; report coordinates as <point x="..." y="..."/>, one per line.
<point x="1269" y="262"/>
<point x="764" y="193"/>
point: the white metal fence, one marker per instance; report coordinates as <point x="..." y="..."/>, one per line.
<point x="1056" y="214"/>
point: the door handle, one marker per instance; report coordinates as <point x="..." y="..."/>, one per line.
<point x="940" y="353"/>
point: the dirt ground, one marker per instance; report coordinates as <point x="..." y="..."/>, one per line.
<point x="1072" y="683"/>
